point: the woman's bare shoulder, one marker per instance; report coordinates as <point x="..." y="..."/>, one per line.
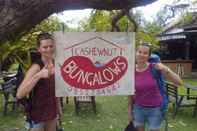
<point x="34" y="68"/>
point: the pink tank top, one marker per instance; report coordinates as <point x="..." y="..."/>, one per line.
<point x="147" y="92"/>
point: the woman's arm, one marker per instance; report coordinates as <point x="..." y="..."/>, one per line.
<point x="130" y="107"/>
<point x="169" y="74"/>
<point x="59" y="107"/>
<point x="33" y="75"/>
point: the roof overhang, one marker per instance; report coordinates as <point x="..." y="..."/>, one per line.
<point x="171" y="37"/>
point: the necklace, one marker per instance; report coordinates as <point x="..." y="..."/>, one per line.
<point x="142" y="67"/>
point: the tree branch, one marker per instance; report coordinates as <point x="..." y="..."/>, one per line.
<point x="19" y="16"/>
<point x="118" y="16"/>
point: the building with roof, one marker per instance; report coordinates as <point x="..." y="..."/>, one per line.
<point x="178" y="44"/>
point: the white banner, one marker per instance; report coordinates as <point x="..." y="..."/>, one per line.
<point x="94" y="64"/>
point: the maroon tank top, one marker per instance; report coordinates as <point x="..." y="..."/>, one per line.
<point x="44" y="102"/>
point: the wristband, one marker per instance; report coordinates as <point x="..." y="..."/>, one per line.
<point x="168" y="70"/>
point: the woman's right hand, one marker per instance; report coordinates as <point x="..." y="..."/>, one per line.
<point x="44" y="72"/>
<point x="130" y="117"/>
<point x="130" y="108"/>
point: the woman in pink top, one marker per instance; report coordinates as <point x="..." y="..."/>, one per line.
<point x="39" y="83"/>
<point x="144" y="106"/>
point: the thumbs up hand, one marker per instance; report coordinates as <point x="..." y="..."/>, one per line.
<point x="44" y="72"/>
<point x="51" y="69"/>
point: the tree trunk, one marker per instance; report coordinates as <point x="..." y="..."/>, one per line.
<point x="19" y="16"/>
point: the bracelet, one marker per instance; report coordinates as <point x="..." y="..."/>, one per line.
<point x="168" y="70"/>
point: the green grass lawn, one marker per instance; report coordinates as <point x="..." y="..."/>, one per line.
<point x="183" y="90"/>
<point x="111" y="116"/>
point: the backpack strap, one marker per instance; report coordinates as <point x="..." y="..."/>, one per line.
<point x="161" y="84"/>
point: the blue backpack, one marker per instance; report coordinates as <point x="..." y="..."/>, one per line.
<point x="160" y="81"/>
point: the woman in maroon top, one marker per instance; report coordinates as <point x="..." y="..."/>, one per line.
<point x="39" y="83"/>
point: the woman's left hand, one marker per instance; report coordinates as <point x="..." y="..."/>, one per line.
<point x="161" y="67"/>
<point x="169" y="74"/>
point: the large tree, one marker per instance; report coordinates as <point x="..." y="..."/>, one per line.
<point x="19" y="16"/>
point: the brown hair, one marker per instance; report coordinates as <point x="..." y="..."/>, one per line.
<point x="43" y="36"/>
